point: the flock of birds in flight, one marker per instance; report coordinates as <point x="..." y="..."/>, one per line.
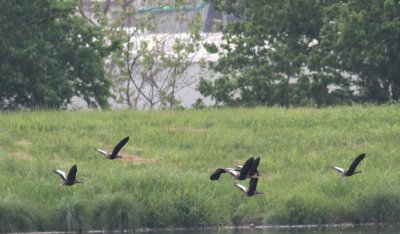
<point x="70" y="178"/>
<point x="249" y="170"/>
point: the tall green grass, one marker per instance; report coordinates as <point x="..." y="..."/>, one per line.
<point x="163" y="181"/>
<point x="16" y="215"/>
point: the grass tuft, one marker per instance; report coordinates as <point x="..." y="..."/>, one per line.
<point x="71" y="215"/>
<point x="117" y="212"/>
<point x="17" y="216"/>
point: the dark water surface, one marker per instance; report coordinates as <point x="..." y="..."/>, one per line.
<point x="311" y="229"/>
<point x="292" y="230"/>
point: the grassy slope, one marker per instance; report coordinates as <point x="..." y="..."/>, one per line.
<point x="163" y="180"/>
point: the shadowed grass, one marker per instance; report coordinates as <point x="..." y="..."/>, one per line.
<point x="17" y="216"/>
<point x="163" y="179"/>
<point x="118" y="212"/>
<point x="71" y="215"/>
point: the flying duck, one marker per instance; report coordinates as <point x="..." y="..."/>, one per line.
<point x="69" y="179"/>
<point x="251" y="191"/>
<point x="352" y="169"/>
<point x="248" y="170"/>
<point x="115" y="151"/>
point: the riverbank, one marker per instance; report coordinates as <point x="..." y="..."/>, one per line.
<point x="163" y="179"/>
<point x="344" y="228"/>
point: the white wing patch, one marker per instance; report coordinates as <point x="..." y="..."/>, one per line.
<point x="241" y="187"/>
<point x="239" y="167"/>
<point x="103" y="152"/>
<point x="229" y="169"/>
<point x="338" y="169"/>
<point x="61" y="173"/>
<point x="233" y="173"/>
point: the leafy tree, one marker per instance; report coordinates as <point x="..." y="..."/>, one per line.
<point x="363" y="39"/>
<point x="296" y="52"/>
<point x="49" y="55"/>
<point x="266" y="51"/>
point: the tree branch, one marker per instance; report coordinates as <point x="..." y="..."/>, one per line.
<point x="82" y="13"/>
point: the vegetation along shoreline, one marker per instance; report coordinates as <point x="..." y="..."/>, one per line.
<point x="162" y="179"/>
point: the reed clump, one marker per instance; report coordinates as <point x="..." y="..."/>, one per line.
<point x="71" y="215"/>
<point x="117" y="212"/>
<point x="18" y="216"/>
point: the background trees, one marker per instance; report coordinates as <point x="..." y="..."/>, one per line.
<point x="363" y="39"/>
<point x="293" y="53"/>
<point x="158" y="49"/>
<point x="48" y="55"/>
<point x="287" y="53"/>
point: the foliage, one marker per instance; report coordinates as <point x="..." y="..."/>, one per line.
<point x="49" y="55"/>
<point x="70" y="215"/>
<point x="379" y="205"/>
<point x="16" y="216"/>
<point x="303" y="209"/>
<point x="306" y="53"/>
<point x="163" y="179"/>
<point x="118" y="213"/>
<point x="362" y="38"/>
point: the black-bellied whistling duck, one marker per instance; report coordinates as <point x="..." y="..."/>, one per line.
<point x="352" y="169"/>
<point x="115" y="151"/>
<point x="69" y="179"/>
<point x="248" y="170"/>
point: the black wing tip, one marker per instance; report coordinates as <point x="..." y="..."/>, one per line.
<point x="74" y="168"/>
<point x="362" y="155"/>
<point x="257" y="160"/>
<point x="248" y="161"/>
<point x="123" y="141"/>
<point x="213" y="177"/>
<point x="217" y="174"/>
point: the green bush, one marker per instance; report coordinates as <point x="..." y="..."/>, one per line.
<point x="117" y="212"/>
<point x="71" y="215"/>
<point x="302" y="209"/>
<point x="17" y="216"/>
<point x="377" y="206"/>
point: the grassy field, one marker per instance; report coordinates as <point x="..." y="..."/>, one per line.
<point x="163" y="179"/>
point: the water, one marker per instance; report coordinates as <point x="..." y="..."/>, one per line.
<point x="330" y="229"/>
<point x="370" y="229"/>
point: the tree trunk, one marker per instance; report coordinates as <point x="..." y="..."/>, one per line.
<point x="128" y="96"/>
<point x="172" y="99"/>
